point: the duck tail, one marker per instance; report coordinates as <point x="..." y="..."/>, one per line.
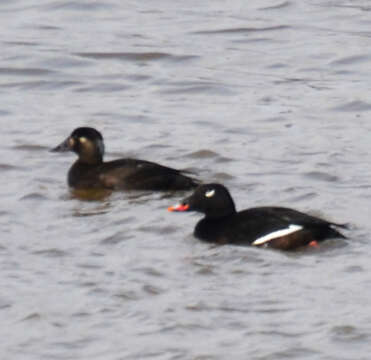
<point x="334" y="233"/>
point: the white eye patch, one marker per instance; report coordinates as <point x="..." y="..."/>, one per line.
<point x="210" y="193"/>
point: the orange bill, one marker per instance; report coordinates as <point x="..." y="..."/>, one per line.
<point x="178" y="207"/>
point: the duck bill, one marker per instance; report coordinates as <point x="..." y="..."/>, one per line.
<point x="178" y="207"/>
<point x="64" y="146"/>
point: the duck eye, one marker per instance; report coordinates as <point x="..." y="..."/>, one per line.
<point x="210" y="193"/>
<point x="83" y="140"/>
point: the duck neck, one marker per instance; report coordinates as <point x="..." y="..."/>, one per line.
<point x="215" y="214"/>
<point x="90" y="159"/>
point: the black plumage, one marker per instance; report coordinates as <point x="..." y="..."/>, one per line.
<point x="276" y="227"/>
<point x="90" y="171"/>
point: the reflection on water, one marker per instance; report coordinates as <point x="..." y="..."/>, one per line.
<point x="90" y="194"/>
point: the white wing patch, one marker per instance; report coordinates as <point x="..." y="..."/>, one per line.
<point x="276" y="234"/>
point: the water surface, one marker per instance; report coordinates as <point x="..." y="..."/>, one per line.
<point x="269" y="97"/>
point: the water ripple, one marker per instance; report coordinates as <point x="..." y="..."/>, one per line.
<point x="133" y="56"/>
<point x="322" y="176"/>
<point x="52" y="253"/>
<point x="351" y="60"/>
<point x="25" y="71"/>
<point x="103" y="87"/>
<point x="348" y="333"/>
<point x="241" y="30"/>
<point x="208" y="154"/>
<point x="280" y="5"/>
<point x="353" y="106"/>
<point x="79" y="5"/>
<point x="152" y="290"/>
<point x="8" y="167"/>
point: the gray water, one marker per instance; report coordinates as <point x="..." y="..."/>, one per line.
<point x="270" y="97"/>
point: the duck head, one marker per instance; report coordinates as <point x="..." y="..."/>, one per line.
<point x="213" y="200"/>
<point x="86" y="142"/>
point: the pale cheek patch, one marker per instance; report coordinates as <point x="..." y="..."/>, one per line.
<point x="277" y="234"/>
<point x="87" y="147"/>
